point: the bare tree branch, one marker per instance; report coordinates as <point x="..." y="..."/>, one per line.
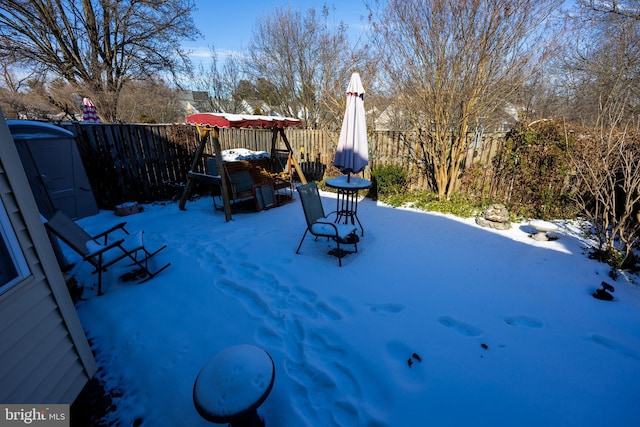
<point x="98" y="45"/>
<point x="308" y="62"/>
<point x="452" y="62"/>
<point x="628" y="9"/>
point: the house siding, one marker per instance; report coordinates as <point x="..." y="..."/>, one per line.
<point x="44" y="354"/>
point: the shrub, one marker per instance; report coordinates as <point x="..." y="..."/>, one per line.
<point x="607" y="182"/>
<point x="532" y="171"/>
<point x="388" y="181"/>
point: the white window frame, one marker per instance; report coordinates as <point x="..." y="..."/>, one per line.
<point x="8" y="234"/>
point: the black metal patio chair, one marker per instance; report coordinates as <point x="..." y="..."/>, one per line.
<point x="319" y="225"/>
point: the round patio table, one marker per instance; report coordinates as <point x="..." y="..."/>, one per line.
<point x="347" y="200"/>
<point x="233" y="384"/>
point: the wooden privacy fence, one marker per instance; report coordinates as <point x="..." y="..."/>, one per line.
<point x="128" y="162"/>
<point x="146" y="163"/>
<point x="405" y="149"/>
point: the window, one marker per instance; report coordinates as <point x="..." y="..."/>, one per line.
<point x="13" y="266"/>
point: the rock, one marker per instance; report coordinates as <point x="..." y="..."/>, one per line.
<point x="496" y="213"/>
<point x="495" y="216"/>
<point x="603" y="295"/>
<point x="493" y="224"/>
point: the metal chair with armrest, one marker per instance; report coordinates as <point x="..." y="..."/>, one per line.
<point x="319" y="225"/>
<point x="102" y="251"/>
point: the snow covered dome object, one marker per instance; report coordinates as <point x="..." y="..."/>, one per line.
<point x="234" y="383"/>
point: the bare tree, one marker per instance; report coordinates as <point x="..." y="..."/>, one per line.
<point x="604" y="73"/>
<point x="28" y="95"/>
<point x="231" y="75"/>
<point x="601" y="66"/>
<point x="219" y="81"/>
<point x="607" y="175"/>
<point x="628" y="9"/>
<point x="308" y="62"/>
<point x="454" y="61"/>
<point x="98" y="46"/>
<point x="13" y="88"/>
<point x="149" y="101"/>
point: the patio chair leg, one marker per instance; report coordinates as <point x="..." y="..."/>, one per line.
<point x="100" y="277"/>
<point x="100" y="283"/>
<point x="300" y="245"/>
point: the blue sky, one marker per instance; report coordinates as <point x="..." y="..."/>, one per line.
<point x="227" y="25"/>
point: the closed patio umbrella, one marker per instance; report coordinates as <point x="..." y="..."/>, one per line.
<point x="352" y="154"/>
<point x="89" y="113"/>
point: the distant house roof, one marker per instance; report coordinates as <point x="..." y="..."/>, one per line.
<point x="194" y="101"/>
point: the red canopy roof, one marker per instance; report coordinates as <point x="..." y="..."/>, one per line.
<point x="222" y="120"/>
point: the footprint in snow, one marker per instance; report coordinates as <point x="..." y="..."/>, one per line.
<point x="526" y="321"/>
<point x="615" y="346"/>
<point x="386" y="308"/>
<point x="460" y="327"/>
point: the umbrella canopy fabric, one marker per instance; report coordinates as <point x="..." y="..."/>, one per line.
<point x="89" y="113"/>
<point x="352" y="154"/>
<point x="223" y="120"/>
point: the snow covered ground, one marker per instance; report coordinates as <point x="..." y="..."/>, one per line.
<point x="504" y="329"/>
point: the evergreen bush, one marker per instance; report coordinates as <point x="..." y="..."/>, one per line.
<point x="388" y="181"/>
